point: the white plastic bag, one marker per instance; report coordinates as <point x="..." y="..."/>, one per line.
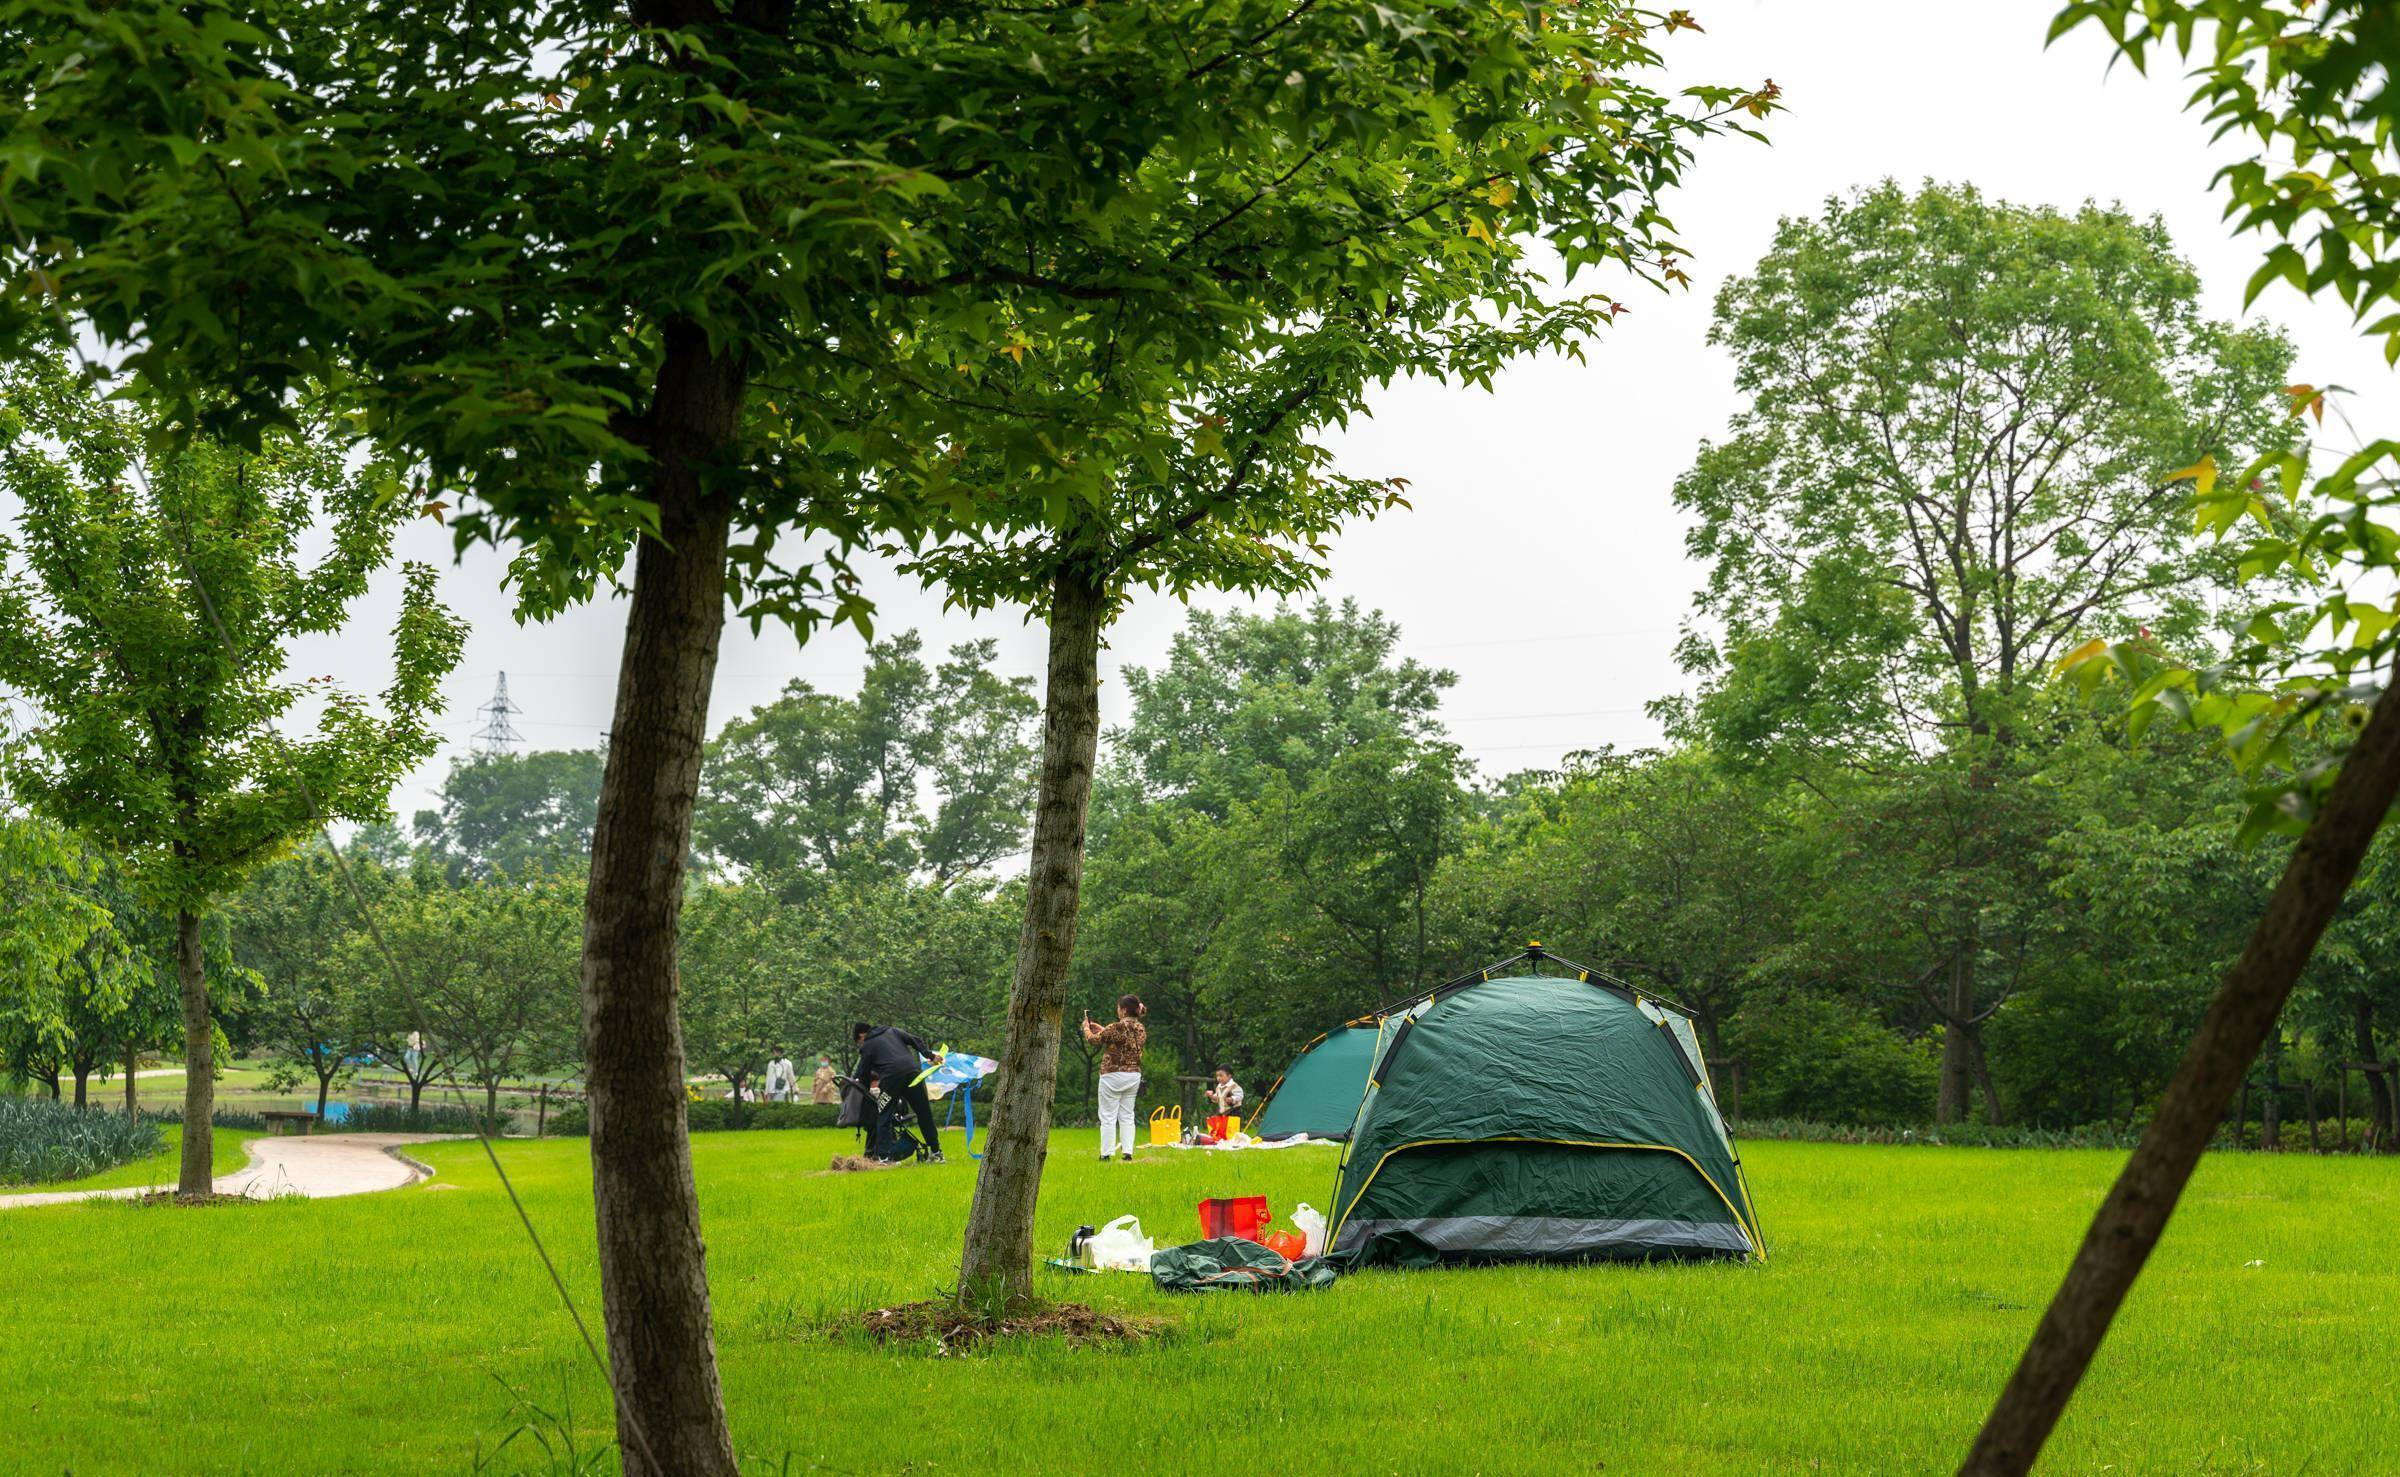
<point x="1311" y="1226"/>
<point x="1120" y="1246"/>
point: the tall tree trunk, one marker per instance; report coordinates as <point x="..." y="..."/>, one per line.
<point x="653" y="1271"/>
<point x="133" y="1098"/>
<point x="83" y="1077"/>
<point x="1983" y="1079"/>
<point x="1712" y="1025"/>
<point x="416" y="1093"/>
<point x="1958" y="1041"/>
<point x="324" y="1089"/>
<point x="2270" y="1110"/>
<point x="1724" y="1082"/>
<point x="2246" y="1007"/>
<point x="199" y="1062"/>
<point x="999" y="1247"/>
<point x="2379" y="1087"/>
<point x="1417" y="982"/>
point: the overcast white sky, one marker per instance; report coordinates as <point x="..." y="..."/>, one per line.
<point x="1544" y="561"/>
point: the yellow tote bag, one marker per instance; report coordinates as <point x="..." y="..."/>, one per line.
<point x="1166" y="1125"/>
<point x="1233" y="1124"/>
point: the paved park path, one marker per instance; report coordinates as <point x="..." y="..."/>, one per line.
<point x="316" y="1167"/>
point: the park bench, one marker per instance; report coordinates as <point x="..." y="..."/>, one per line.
<point x="283" y="1120"/>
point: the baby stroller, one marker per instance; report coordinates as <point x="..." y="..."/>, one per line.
<point x="889" y="1124"/>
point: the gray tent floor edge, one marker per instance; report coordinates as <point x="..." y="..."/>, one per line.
<point x="1551" y="1236"/>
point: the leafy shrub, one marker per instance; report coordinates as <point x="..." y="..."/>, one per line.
<point x="572" y="1121"/>
<point x="712" y="1116"/>
<point x="43" y="1141"/>
<point x="1828" y="1061"/>
<point x="233" y="1118"/>
<point x="791" y="1115"/>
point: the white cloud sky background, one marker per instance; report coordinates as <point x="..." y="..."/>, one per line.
<point x="1543" y="561"/>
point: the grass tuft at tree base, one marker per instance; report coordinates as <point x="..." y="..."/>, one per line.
<point x="160" y="1198"/>
<point x="947" y="1327"/>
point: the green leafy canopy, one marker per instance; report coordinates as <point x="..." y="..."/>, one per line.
<point x="990" y="271"/>
<point x="145" y="608"/>
<point x="2309" y="83"/>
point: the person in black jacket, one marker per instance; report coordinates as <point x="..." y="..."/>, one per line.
<point x="894" y="1059"/>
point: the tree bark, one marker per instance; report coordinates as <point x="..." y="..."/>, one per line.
<point x="653" y="1270"/>
<point x="1712" y="1024"/>
<point x="324" y="1090"/>
<point x="133" y="1099"/>
<point x="1958" y="1044"/>
<point x="83" y="1078"/>
<point x="199" y="1062"/>
<point x="2362" y="1039"/>
<point x="999" y="1247"/>
<point x="1983" y="1079"/>
<point x="2247" y="1005"/>
<point x="2270" y="1106"/>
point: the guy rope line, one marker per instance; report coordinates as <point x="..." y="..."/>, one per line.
<point x="358" y="895"/>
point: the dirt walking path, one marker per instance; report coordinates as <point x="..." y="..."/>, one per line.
<point x="317" y="1167"/>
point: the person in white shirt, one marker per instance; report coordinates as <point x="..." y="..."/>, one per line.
<point x="780" y="1078"/>
<point x="1227" y="1094"/>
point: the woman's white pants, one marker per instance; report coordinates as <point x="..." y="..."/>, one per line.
<point x="1117" y="1091"/>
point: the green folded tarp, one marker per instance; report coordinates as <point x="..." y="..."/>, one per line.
<point x="1231" y="1264"/>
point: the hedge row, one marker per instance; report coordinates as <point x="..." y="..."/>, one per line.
<point x="715" y="1115"/>
<point x="722" y="1114"/>
<point x="363" y="1118"/>
<point x="2009" y="1136"/>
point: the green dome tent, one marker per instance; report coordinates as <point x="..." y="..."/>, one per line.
<point x="1538" y="1118"/>
<point x="1318" y="1093"/>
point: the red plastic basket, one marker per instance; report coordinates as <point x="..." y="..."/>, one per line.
<point x="1244" y="1216"/>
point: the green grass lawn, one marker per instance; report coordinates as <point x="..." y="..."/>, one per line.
<point x="386" y="1332"/>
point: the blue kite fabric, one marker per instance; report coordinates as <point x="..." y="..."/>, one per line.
<point x="1232" y="1264"/>
<point x="957" y="1069"/>
<point x="958" y="1072"/>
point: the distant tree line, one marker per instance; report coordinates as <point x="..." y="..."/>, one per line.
<point x="1894" y="873"/>
<point x="1285" y="836"/>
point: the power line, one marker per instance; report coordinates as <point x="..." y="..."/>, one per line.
<point x="1563" y="745"/>
<point x="1559" y="636"/>
<point x="1515" y="717"/>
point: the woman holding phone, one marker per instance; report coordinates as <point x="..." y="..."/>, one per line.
<point x="1120" y="1074"/>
